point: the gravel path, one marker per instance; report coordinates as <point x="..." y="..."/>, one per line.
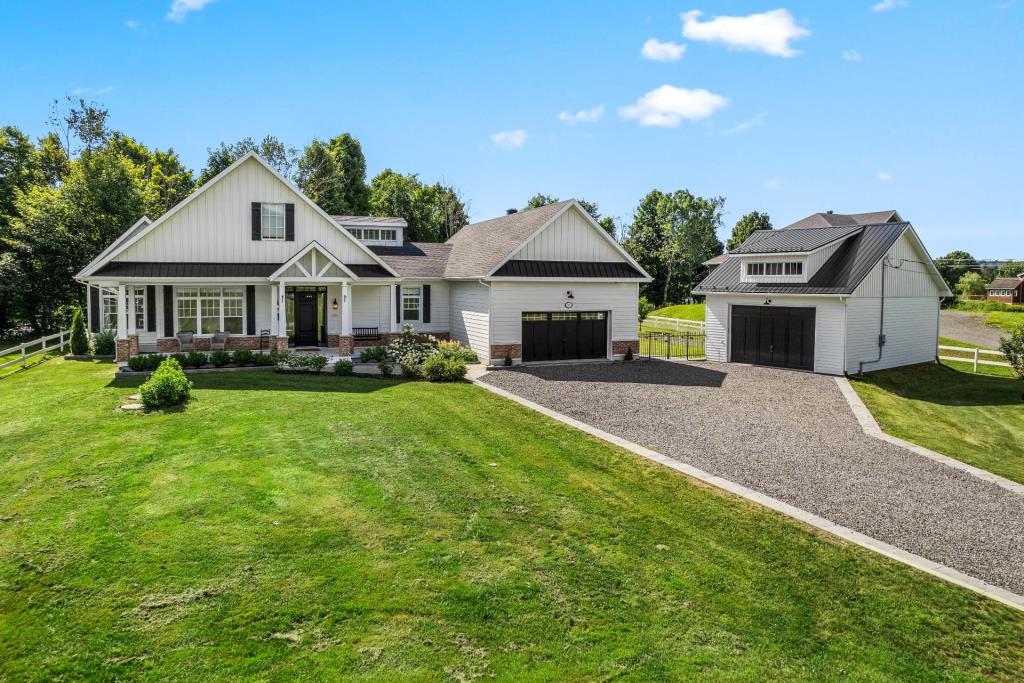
<point x="969" y="327"/>
<point x="792" y="436"/>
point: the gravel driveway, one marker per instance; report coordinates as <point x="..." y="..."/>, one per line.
<point x="969" y="327"/>
<point x="792" y="436"/>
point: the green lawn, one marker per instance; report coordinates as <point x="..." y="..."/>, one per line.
<point x="683" y="311"/>
<point x="968" y="364"/>
<point x="976" y="418"/>
<point x="1008" y="317"/>
<point x="288" y="527"/>
<point x="1009" y="321"/>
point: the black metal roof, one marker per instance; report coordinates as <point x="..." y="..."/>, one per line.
<point x="841" y="274"/>
<point x="793" y="241"/>
<point x="580" y="269"/>
<point x="213" y="270"/>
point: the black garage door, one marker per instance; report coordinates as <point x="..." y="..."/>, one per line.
<point x="564" y="335"/>
<point x="773" y="335"/>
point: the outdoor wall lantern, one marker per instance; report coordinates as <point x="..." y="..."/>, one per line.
<point x="334" y="304"/>
<point x="568" y="295"/>
<point x="767" y="302"/>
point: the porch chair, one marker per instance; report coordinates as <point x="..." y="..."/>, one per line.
<point x="186" y="341"/>
<point x="219" y="341"/>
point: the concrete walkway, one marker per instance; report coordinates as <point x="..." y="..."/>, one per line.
<point x="793" y="437"/>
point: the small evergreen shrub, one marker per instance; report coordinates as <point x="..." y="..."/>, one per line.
<point x="316" y="364"/>
<point x="197" y="359"/>
<point x="629" y="353"/>
<point x="79" y="341"/>
<point x="385" y="369"/>
<point x="103" y="343"/>
<point x="264" y="360"/>
<point x="167" y="386"/>
<point x="145" y="362"/>
<point x="220" y="358"/>
<point x="508" y="360"/>
<point x="241" y="357"/>
<point x="377" y="354"/>
<point x="343" y="367"/>
<point x="450" y="348"/>
<point x="437" y="368"/>
<point x="182" y="358"/>
<point x="1013" y="348"/>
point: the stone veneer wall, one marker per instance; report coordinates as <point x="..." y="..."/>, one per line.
<point x="619" y="347"/>
<point x="499" y="351"/>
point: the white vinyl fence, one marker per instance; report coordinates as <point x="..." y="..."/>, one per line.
<point x="62" y="338"/>
<point x="973" y="356"/>
<point x="674" y="324"/>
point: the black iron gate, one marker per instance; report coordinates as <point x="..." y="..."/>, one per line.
<point x="686" y="345"/>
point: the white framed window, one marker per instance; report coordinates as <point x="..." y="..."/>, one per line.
<point x="108" y="309"/>
<point x="138" y="295"/>
<point x="773" y="269"/>
<point x="374" y="234"/>
<point x="411" y="303"/>
<point x="755" y="269"/>
<point x="272" y="221"/>
<point x="794" y="268"/>
<point x="205" y="310"/>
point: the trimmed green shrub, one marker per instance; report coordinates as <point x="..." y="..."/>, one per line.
<point x="103" y="343"/>
<point x="316" y="363"/>
<point x="450" y="348"/>
<point x="264" y="360"/>
<point x="1013" y="348"/>
<point x="629" y="353"/>
<point x="343" y="367"/>
<point x="145" y="362"/>
<point x="385" y="369"/>
<point x="182" y="358"/>
<point x="197" y="359"/>
<point x="508" y="360"/>
<point x="377" y="354"/>
<point x="79" y="341"/>
<point x="437" y="368"/>
<point x="242" y="357"/>
<point x="220" y="358"/>
<point x="167" y="386"/>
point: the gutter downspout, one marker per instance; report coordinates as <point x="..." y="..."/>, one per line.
<point x="881" y="323"/>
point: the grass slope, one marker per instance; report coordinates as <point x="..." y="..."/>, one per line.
<point x="968" y="364"/>
<point x="288" y="527"/>
<point x="682" y="311"/>
<point x="976" y="418"/>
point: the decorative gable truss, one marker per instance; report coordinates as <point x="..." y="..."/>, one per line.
<point x="313" y="264"/>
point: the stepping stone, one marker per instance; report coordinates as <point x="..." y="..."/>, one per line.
<point x="135" y="397"/>
<point x="131" y="407"/>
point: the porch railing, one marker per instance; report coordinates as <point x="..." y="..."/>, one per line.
<point x="23" y="352"/>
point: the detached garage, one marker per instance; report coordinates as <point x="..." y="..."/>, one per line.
<point x="829" y="298"/>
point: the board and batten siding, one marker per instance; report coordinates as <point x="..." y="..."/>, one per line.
<point x="216" y="227"/>
<point x="911" y="330"/>
<point x="829" y="327"/>
<point x="470" y="319"/>
<point x="816" y="259"/>
<point x="570" y="237"/>
<point x="439" y="305"/>
<point x="906" y="274"/>
<point x="509" y="300"/>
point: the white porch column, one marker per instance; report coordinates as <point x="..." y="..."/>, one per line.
<point x="122" y="312"/>
<point x="133" y="325"/>
<point x="346" y="309"/>
<point x="282" y="312"/>
<point x="393" y="291"/>
<point x="273" y="310"/>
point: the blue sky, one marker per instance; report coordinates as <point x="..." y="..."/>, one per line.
<point x="789" y="108"/>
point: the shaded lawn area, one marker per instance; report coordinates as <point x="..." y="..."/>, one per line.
<point x="975" y="418"/>
<point x="683" y="311"/>
<point x="306" y="528"/>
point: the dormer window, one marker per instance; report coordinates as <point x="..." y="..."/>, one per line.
<point x="374" y="234"/>
<point x="272" y="221"/>
<point x="794" y="268"/>
<point x="776" y="268"/>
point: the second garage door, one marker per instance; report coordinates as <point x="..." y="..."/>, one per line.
<point x="773" y="335"/>
<point x="563" y="335"/>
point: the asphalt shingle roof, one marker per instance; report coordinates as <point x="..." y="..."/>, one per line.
<point x="416" y="259"/>
<point x="1004" y="283"/>
<point x="824" y="219"/>
<point x="841" y="274"/>
<point x="479" y="247"/>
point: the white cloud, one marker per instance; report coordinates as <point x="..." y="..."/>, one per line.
<point x="80" y="91"/>
<point x="744" y="126"/>
<point x="773" y="183"/>
<point x="669" y="105"/>
<point x="886" y="5"/>
<point x="132" y="24"/>
<point x="852" y="56"/>
<point x="662" y="52"/>
<point x="180" y="9"/>
<point x="510" y="139"/>
<point x="582" y="116"/>
<point x="769" y="32"/>
<point x="105" y="89"/>
<point x="884" y="176"/>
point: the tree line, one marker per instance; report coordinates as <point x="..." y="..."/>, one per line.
<point x="67" y="195"/>
<point x="965" y="276"/>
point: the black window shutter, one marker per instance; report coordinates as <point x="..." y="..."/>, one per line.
<point x="426" y="303"/>
<point x="94" y="308"/>
<point x="398" y="303"/>
<point x="150" y="308"/>
<point x="250" y="309"/>
<point x="289" y="222"/>
<point x="168" y="311"/>
<point x="257" y="226"/>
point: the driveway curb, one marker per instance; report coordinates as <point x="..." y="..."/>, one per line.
<point x="934" y="568"/>
<point x="871" y="428"/>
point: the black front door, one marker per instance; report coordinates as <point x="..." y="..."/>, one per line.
<point x="565" y="336"/>
<point x="305" y="319"/>
<point x="773" y="335"/>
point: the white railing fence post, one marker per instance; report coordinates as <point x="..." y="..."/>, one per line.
<point x="23" y="355"/>
<point x="976" y="353"/>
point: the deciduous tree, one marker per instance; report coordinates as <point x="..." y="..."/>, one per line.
<point x="280" y="157"/>
<point x="745" y="227"/>
<point x="333" y="174"/>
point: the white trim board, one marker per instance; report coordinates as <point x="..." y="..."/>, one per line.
<point x="881" y="547"/>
